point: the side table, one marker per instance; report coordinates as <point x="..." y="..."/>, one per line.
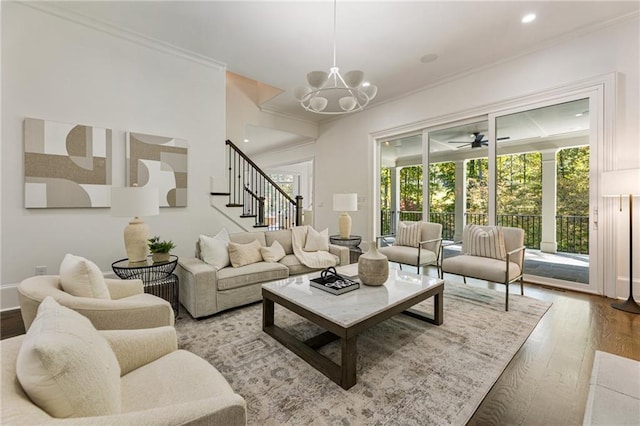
<point x="352" y="242"/>
<point x="157" y="277"/>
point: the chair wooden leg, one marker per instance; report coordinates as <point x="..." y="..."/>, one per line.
<point x="506" y="300"/>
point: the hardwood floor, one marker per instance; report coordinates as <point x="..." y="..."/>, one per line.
<point x="547" y="381"/>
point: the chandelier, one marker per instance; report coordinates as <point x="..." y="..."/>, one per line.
<point x="332" y="93"/>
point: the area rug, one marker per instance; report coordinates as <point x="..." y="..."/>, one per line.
<point x="408" y="372"/>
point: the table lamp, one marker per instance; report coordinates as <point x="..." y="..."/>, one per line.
<point x="624" y="183"/>
<point x="135" y="201"/>
<point x="345" y="203"/>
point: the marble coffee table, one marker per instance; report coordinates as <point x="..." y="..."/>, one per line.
<point x="346" y="315"/>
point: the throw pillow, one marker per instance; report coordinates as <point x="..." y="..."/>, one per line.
<point x="66" y="367"/>
<point x="317" y="241"/>
<point x="409" y="235"/>
<point x="274" y="253"/>
<point x="214" y="250"/>
<point x="81" y="277"/>
<point x="479" y="242"/>
<point x="244" y="254"/>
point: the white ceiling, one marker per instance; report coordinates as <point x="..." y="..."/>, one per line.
<point x="279" y="42"/>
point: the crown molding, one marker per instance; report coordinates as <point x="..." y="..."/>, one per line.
<point x="286" y="115"/>
<point x="126" y="34"/>
<point x="284" y="148"/>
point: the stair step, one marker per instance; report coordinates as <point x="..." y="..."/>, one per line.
<point x="220" y="193"/>
<point x="235" y="205"/>
<point x="248" y="215"/>
<point x="261" y="226"/>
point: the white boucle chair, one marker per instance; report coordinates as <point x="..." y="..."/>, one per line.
<point x="502" y="271"/>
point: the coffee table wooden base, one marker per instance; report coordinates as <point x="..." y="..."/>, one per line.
<point x="345" y="373"/>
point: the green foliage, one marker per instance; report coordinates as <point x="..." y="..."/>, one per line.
<point x="157" y="246"/>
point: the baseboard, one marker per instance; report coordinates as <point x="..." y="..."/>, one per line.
<point x="9" y="297"/>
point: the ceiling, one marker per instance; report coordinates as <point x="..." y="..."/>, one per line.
<point x="278" y="42"/>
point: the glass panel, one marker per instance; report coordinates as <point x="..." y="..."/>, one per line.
<point x="542" y="186"/>
<point x="458" y="159"/>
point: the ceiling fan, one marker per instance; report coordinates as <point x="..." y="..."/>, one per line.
<point x="478" y="140"/>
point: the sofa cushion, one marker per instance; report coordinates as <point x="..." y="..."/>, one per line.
<point x="244" y="254"/>
<point x="272" y="254"/>
<point x="283" y="236"/>
<point x="214" y="250"/>
<point x="66" y="367"/>
<point x="229" y="278"/>
<point x="408" y="235"/>
<point x="81" y="277"/>
<point x="317" y="241"/>
<point x="484" y="242"/>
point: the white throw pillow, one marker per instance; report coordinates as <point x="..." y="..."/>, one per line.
<point x="244" y="254"/>
<point x="317" y="241"/>
<point x="479" y="242"/>
<point x="66" y="367"/>
<point x="274" y="253"/>
<point x="81" y="277"/>
<point x="409" y="235"/>
<point x="214" y="250"/>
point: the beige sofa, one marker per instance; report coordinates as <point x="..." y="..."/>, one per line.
<point x="206" y="291"/>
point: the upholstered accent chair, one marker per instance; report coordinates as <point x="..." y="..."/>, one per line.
<point x="414" y="243"/>
<point x="490" y="253"/>
<point x="64" y="371"/>
<point x="127" y="305"/>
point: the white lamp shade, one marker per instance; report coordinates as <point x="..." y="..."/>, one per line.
<point x="347" y="103"/>
<point x="317" y="79"/>
<point x="354" y="78"/>
<point x="301" y="92"/>
<point x="134" y="201"/>
<point x="621" y="182"/>
<point x="345" y="202"/>
<point x="318" y="103"/>
<point x="371" y="91"/>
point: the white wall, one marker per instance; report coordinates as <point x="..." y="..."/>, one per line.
<point x="613" y="49"/>
<point x="57" y="69"/>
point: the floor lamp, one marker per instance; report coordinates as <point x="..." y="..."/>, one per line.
<point x="624" y="183"/>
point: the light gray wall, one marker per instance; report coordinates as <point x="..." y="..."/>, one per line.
<point x="60" y="70"/>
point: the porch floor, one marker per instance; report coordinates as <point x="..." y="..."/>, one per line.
<point x="561" y="266"/>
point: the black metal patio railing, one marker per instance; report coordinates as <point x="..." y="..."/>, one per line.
<point x="572" y="232"/>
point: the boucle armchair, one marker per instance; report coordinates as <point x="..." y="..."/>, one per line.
<point x="149" y="381"/>
<point x="129" y="307"/>
<point x="415" y="244"/>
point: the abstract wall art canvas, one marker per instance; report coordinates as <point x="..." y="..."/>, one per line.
<point x="66" y="165"/>
<point x="160" y="162"/>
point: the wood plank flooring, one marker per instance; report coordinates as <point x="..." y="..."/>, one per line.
<point x="547" y="381"/>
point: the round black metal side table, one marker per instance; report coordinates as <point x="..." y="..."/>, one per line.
<point x="157" y="277"/>
<point x="352" y="242"/>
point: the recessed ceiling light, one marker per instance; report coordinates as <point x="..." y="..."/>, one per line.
<point x="246" y="141"/>
<point x="528" y="18"/>
<point x="579" y="114"/>
<point x="430" y="57"/>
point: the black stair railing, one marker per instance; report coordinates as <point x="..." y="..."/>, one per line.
<point x="258" y="195"/>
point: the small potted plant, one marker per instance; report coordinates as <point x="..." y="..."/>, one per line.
<point x="160" y="250"/>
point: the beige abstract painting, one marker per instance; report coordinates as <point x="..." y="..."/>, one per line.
<point x="161" y="162"/>
<point x="66" y="165"/>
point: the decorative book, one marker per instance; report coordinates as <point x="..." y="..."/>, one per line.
<point x="330" y="281"/>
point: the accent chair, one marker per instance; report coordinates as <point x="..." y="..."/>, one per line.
<point x="414" y="243"/>
<point x="490" y="253"/>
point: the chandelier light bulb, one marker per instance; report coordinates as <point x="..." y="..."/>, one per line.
<point x="370" y="90"/>
<point x="301" y="93"/>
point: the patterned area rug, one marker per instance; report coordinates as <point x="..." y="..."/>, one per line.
<point x="408" y="372"/>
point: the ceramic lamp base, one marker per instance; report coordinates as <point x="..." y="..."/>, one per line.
<point x="136" y="234"/>
<point x="344" y="223"/>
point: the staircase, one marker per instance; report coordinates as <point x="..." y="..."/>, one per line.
<point x="253" y="199"/>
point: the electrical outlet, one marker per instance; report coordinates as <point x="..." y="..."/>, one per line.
<point x="41" y="270"/>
